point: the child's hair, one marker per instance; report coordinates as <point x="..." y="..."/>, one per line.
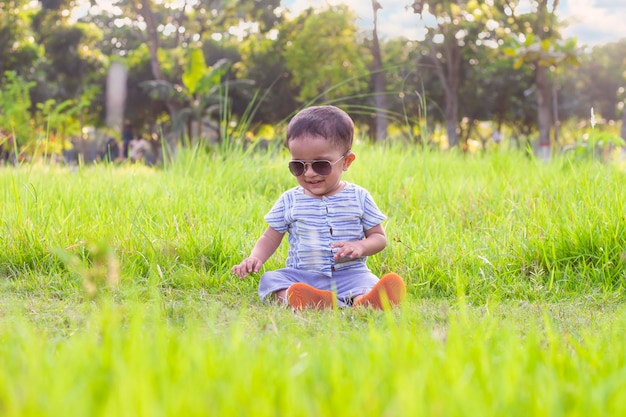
<point x="328" y="122"/>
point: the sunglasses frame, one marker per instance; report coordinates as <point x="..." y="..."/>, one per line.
<point x="311" y="164"/>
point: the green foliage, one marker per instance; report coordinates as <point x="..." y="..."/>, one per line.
<point x="45" y="132"/>
<point x="18" y="51"/>
<point x="54" y="122"/>
<point x="195" y="71"/>
<point x="72" y="63"/>
<point x="15" y="107"/>
<point x="543" y="52"/>
<point x="202" y="98"/>
<point x="602" y="73"/>
<point x="596" y="145"/>
<point x="67" y="60"/>
<point x="332" y="66"/>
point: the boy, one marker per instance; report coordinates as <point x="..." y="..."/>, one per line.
<point x="333" y="225"/>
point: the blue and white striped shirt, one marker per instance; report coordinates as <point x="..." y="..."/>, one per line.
<point x="315" y="224"/>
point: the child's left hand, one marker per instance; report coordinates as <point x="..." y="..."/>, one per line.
<point x="249" y="265"/>
<point x="347" y="250"/>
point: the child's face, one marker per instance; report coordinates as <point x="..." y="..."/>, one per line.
<point x="315" y="148"/>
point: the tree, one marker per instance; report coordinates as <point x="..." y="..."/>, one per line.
<point x="333" y="66"/>
<point x="143" y="8"/>
<point x="66" y="60"/>
<point x="171" y="28"/>
<point x="460" y="28"/>
<point x="598" y="80"/>
<point x="410" y="93"/>
<point x="203" y="94"/>
<point x="263" y="61"/>
<point x="15" y="104"/>
<point x="72" y="62"/>
<point x="18" y="50"/>
<point x="72" y="69"/>
<point x="539" y="44"/>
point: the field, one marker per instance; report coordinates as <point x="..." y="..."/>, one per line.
<point x="116" y="297"/>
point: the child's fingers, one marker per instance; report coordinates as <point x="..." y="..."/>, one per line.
<point x="247" y="266"/>
<point x="241" y="270"/>
<point x="250" y="265"/>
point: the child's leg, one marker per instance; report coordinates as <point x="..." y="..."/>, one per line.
<point x="300" y="296"/>
<point x="388" y="292"/>
<point x="279" y="296"/>
<point x="312" y="289"/>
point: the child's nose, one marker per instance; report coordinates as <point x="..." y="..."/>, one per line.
<point x="308" y="168"/>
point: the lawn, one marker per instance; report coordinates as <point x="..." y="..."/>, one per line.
<point x="116" y="296"/>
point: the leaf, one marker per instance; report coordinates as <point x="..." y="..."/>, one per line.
<point x="213" y="76"/>
<point x="509" y="52"/>
<point x="195" y="70"/>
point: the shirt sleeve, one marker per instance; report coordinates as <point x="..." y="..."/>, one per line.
<point x="275" y="218"/>
<point x="372" y="216"/>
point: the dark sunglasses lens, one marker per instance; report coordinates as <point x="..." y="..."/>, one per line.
<point x="322" y="167"/>
<point x="296" y="168"/>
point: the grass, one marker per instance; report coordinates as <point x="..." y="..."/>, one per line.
<point x="116" y="296"/>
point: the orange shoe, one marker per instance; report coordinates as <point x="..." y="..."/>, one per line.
<point x="389" y="291"/>
<point x="301" y="296"/>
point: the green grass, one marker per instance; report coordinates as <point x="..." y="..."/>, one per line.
<point x="116" y="296"/>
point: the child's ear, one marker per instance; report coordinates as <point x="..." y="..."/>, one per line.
<point x="349" y="159"/>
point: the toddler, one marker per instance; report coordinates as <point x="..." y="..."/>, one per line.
<point x="332" y="225"/>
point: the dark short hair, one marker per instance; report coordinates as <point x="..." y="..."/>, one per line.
<point x="329" y="122"/>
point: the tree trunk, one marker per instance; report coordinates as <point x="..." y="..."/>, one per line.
<point x="380" y="100"/>
<point x="544" y="109"/>
<point x="623" y="131"/>
<point x="450" y="79"/>
<point x="452" y="112"/>
<point x="144" y="8"/>
<point x="555" y="114"/>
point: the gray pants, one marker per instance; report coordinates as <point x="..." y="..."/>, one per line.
<point x="346" y="283"/>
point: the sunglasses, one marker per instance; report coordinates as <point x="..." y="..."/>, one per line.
<point x="319" y="166"/>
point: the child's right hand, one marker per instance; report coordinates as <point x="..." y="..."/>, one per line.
<point x="247" y="266"/>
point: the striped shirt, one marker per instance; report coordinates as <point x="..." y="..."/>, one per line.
<point x="314" y="224"/>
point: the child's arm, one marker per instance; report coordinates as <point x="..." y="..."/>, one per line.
<point x="375" y="241"/>
<point x="263" y="249"/>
